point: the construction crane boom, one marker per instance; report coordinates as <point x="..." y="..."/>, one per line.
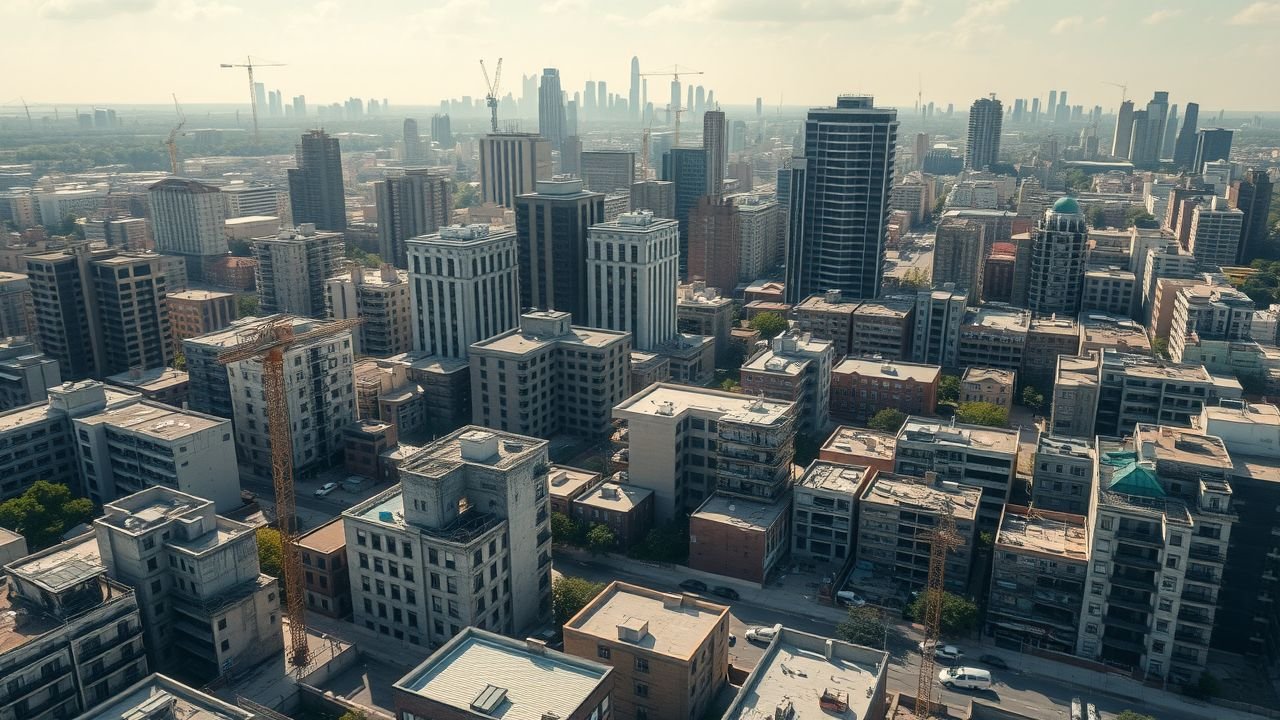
<point x="674" y="74"/>
<point x="172" y="142"/>
<point x="491" y="95"/>
<point x="253" y="96"/>
<point x="942" y="540"/>
<point x="1124" y="89"/>
<point x="268" y="344"/>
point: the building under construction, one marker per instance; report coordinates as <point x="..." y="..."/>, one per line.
<point x="894" y="513"/>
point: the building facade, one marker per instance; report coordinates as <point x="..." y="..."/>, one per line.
<point x="631" y="277"/>
<point x="552" y="225"/>
<point x="316" y="194"/>
<point x="417" y="202"/>
<point x="381" y="298"/>
<point x="511" y="164"/>
<point x="293" y="267"/>
<point x="975" y="456"/>
<point x="1057" y="260"/>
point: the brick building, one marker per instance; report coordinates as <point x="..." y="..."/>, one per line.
<point x="861" y="387"/>
<point x="324" y="565"/>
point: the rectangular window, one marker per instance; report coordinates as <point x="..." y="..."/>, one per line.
<point x="642" y="665"/>
<point x="602" y="652"/>
<point x="642" y="690"/>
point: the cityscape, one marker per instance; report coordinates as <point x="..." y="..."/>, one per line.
<point x="483" y="376"/>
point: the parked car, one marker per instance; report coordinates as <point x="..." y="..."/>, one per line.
<point x="760" y="634"/>
<point x="693" y="586"/>
<point x="994" y="661"/>
<point x="965" y="678"/>
<point x="727" y="593"/>
<point x="849" y="598"/>
<point x="943" y="652"/>
<point x="325" y="489"/>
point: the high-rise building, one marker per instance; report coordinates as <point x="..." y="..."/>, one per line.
<point x="983" y="148"/>
<point x="418" y="202"/>
<point x="686" y="168"/>
<point x="939" y="315"/>
<point x="463" y="288"/>
<point x="1058" y="244"/>
<point x="1211" y="144"/>
<point x="251" y="199"/>
<point x="293" y="267"/>
<point x="633" y="100"/>
<point x="1184" y="149"/>
<point x="413" y="149"/>
<point x="442" y="131"/>
<point x="839" y="212"/>
<point x="959" y="255"/>
<point x="1170" y="134"/>
<point x="1157" y="119"/>
<point x="187" y="219"/>
<point x="1252" y="197"/>
<point x="1141" y="147"/>
<point x="1124" y="130"/>
<point x="972" y="455"/>
<point x="631" y="277"/>
<point x="193" y="313"/>
<point x="100" y="312"/>
<point x="657" y="196"/>
<point x="551" y="109"/>
<point x="921" y="147"/>
<point x="472" y="517"/>
<point x="299" y="106"/>
<point x="25" y="374"/>
<point x="316" y="192"/>
<point x="714" y="244"/>
<point x="796" y="367"/>
<point x="381" y="297"/>
<point x="511" y="164"/>
<point x="715" y="141"/>
<point x="551" y="230"/>
<point x="1215" y="232"/>
<point x="762" y="235"/>
<point x="16" y="309"/>
<point x="606" y="170"/>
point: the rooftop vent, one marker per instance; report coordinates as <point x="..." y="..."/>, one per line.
<point x="633" y="630"/>
<point x="489" y="700"/>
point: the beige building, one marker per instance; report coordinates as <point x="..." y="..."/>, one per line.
<point x="1099" y="331"/>
<point x="797" y="368"/>
<point x="849" y="445"/>
<point x="993" y="337"/>
<point x="548" y="377"/>
<point x="17" y="313"/>
<point x="193" y="313"/>
<point x="669" y="652"/>
<point x="1108" y="290"/>
<point x="381" y="298"/>
<point x="988" y="385"/>
<point x="701" y="310"/>
<point x="975" y="455"/>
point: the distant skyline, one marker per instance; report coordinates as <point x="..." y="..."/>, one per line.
<point x="800" y="53"/>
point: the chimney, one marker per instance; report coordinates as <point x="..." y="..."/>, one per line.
<point x="829" y="649"/>
<point x="931" y="477"/>
<point x="535" y="646"/>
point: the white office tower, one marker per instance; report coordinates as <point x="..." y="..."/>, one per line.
<point x="1215" y="232"/>
<point x="187" y="218"/>
<point x="632" y="266"/>
<point x="293" y="267"/>
<point x="463" y="288"/>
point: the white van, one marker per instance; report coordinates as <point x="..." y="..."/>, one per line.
<point x="965" y="678"/>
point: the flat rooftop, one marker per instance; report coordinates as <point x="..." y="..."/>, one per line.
<point x="820" y="303"/>
<point x="157" y="691"/>
<point x="1060" y="535"/>
<point x="668" y="400"/>
<point x="477" y="668"/>
<point x="424" y="362"/>
<point x="890" y="369"/>
<point x="1255" y="414"/>
<point x="961" y="501"/>
<point x="21" y="417"/>
<point x="1065" y="446"/>
<point x="671" y="624"/>
<point x="326" y="539"/>
<point x="1053" y="326"/>
<point x="1076" y="370"/>
<point x="1169" y="444"/>
<point x="863" y="442"/>
<point x="155" y="421"/>
<point x="234" y="333"/>
<point x="200" y="295"/>
<point x="568" y="481"/>
<point x="885" y="308"/>
<point x="618" y="497"/>
<point x="61" y="566"/>
<point x="1005" y="319"/>
<point x="742" y="513"/>
<point x="798" y="668"/>
<point x="833" y="477"/>
<point x="517" y="342"/>
<point x="982" y="374"/>
<point x="773" y="362"/>
<point x="465" y="447"/>
<point x="972" y="437"/>
<point x="152" y="380"/>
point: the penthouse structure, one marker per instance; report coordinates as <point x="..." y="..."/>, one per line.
<point x="381" y="298"/>
<point x="1063" y="474"/>
<point x="205" y="604"/>
<point x="795" y="368"/>
<point x="549" y="377"/>
<point x="73" y="636"/>
<point x="293" y="267"/>
<point x="974" y="455"/>
<point x="464" y="539"/>
<point x="861" y="387"/>
<point x="669" y="652"/>
<point x="1039" y="568"/>
<point x="823" y="513"/>
<point x="895" y="512"/>
<point x="464" y="288"/>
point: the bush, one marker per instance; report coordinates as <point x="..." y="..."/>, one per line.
<point x="982" y="413"/>
<point x="43" y="513"/>
<point x="600" y="539"/>
<point x="571" y="594"/>
<point x="863" y="626"/>
<point x="949" y="389"/>
<point x="888" y="420"/>
<point x="769" y="324"/>
<point x="959" y="616"/>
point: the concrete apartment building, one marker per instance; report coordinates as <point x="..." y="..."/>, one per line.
<point x="631" y="280"/>
<point x="1209" y="313"/>
<point x="656" y="195"/>
<point x="702" y="310"/>
<point x="824" y="516"/>
<point x="681" y="441"/>
<point x="1099" y="332"/>
<point x="17" y="314"/>
<point x="1047" y="338"/>
<point x="1109" y="290"/>
<point x="988" y="385"/>
<point x="895" y="512"/>
<point x="849" y="445"/>
<point x="511" y="164"/>
<point x="478" y="674"/>
<point x="293" y="267"/>
<point x="1063" y="473"/>
<point x="363" y="444"/>
<point x="936" y="331"/>
<point x="416" y="202"/>
<point x="1160" y="525"/>
<point x="381" y="297"/>
<point x="958" y="255"/>
<point x="828" y="317"/>
<point x="129" y="448"/>
<point x="187" y="219"/>
<point x="669" y="652"/>
<point x="713" y="243"/>
<point x="158" y="693"/>
<point x="198" y="312"/>
<point x="326" y="578"/>
<point x="26" y="374"/>
<point x="464" y="539"/>
<point x="248" y="199"/>
<point x="974" y="455"/>
<point x="73" y="638"/>
<point x="883" y="327"/>
<point x="548" y="377"/>
<point x="606" y="170"/>
<point x="205" y="603"/>
<point x="994" y="337"/>
<point x="624" y="508"/>
<point x="861" y="387"/>
<point x="418" y="392"/>
<point x="761" y="234"/>
<point x="1215" y="232"/>
<point x="464" y="288"/>
<point x="795" y="368"/>
<point x="1040" y="564"/>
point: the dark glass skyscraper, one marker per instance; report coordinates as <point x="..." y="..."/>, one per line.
<point x="983" y="148"/>
<point x="1184" y="149"/>
<point x="840" y="200"/>
<point x="315" y="186"/>
<point x="1211" y="144"/>
<point x="551" y="109"/>
<point x="551" y="232"/>
<point x="1251" y="195"/>
<point x="686" y="168"/>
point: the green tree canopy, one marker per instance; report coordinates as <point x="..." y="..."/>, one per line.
<point x="1138" y="216"/>
<point x="949" y="389"/>
<point x="863" y="626"/>
<point x="43" y="513"/>
<point x="1132" y="715"/>
<point x="1098" y="217"/>
<point x="271" y="552"/>
<point x="982" y="413"/>
<point x="601" y="539"/>
<point x="1032" y="398"/>
<point x="564" y="531"/>
<point x="769" y="324"/>
<point x="888" y="420"/>
<point x="959" y="616"/>
<point x="571" y="594"/>
<point x="246" y="305"/>
<point x="367" y="259"/>
<point x="915" y="279"/>
<point x="466" y="195"/>
<point x="665" y="543"/>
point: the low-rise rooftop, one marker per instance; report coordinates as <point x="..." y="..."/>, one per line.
<point x="1065" y="446"/>
<point x="984" y="374"/>
<point x="890" y="369"/>
<point x="669" y="400"/>
<point x="155" y="420"/>
<point x="972" y="437"/>
<point x="328" y="538"/>
<point x="617" y="497"/>
<point x="834" y="477"/>
<point x="1058" y="535"/>
<point x="894" y="308"/>
<point x="960" y="501"/>
<point x="475" y="446"/>
<point x="568" y="481"/>
<point x="519" y="342"/>
<point x="200" y="295"/>
<point x="671" y="624"/>
<point x="150" y="696"/>
<point x="998" y="318"/>
<point x="862" y="442"/>
<point x="742" y="513"/>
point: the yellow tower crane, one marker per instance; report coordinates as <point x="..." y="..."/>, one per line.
<point x="249" y="65"/>
<point x="942" y="540"/>
<point x="172" y="141"/>
<point x="268" y="344"/>
<point x="674" y="74"/>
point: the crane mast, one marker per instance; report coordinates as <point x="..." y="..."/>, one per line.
<point x="491" y="96"/>
<point x="675" y="74"/>
<point x="942" y="540"/>
<point x="249" y="65"/>
<point x="172" y="142"/>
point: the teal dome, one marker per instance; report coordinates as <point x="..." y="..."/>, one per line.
<point x="1067" y="206"/>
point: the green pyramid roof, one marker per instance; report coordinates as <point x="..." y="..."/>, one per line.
<point x="1132" y="478"/>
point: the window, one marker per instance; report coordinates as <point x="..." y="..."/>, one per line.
<point x="1175" y="539"/>
<point x="642" y="690"/>
<point x="642" y="665"/>
<point x="433" y="557"/>
<point x="1100" y="568"/>
<point x="222" y="623"/>
<point x="1166" y="605"/>
<point x="406" y="550"/>
<point x="226" y="645"/>
<point x="1162" y="626"/>
<point x="602" y="652"/>
<point x="364" y="561"/>
<point x="1171" y="562"/>
<point x="451" y="584"/>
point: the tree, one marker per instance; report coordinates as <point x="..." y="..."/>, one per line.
<point x="1160" y="347"/>
<point x="466" y="194"/>
<point x="1098" y="217"/>
<point x="564" y="531"/>
<point x="1032" y="398"/>
<point x="571" y="594"/>
<point x="367" y="259"/>
<point x="730" y="385"/>
<point x="43" y="513"/>
<point x="179" y="361"/>
<point x="982" y="413"/>
<point x="600" y="539"/>
<point x="271" y="552"/>
<point x="246" y="305"/>
<point x="915" y="279"/>
<point x="863" y="626"/>
<point x="665" y="543"/>
<point x="1206" y="687"/>
<point x="1139" y="217"/>
<point x="959" y="616"/>
<point x="1077" y="179"/>
<point x="949" y="389"/>
<point x="240" y="248"/>
<point x="354" y="715"/>
<point x="769" y="324"/>
<point x="1131" y="715"/>
<point x="888" y="420"/>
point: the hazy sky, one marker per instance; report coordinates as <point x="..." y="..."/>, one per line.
<point x="799" y="51"/>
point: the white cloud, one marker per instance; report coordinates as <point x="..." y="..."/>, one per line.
<point x="1259" y="12"/>
<point x="979" y="19"/>
<point x="559" y="6"/>
<point x="1066" y="24"/>
<point x="1160" y="16"/>
<point x="93" y="9"/>
<point x="798" y="11"/>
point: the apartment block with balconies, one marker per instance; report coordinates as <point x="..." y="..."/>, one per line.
<point x="1039" y="567"/>
<point x="974" y="455"/>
